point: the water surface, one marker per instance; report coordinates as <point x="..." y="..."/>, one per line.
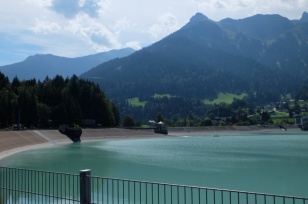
<point x="270" y="162"/>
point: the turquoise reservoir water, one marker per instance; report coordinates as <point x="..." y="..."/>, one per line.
<point x="269" y="162"/>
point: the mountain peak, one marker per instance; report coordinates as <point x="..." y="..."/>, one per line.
<point x="198" y="17"/>
<point x="304" y="17"/>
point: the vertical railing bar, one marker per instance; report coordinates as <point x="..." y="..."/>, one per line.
<point x="61" y="187"/>
<point x="98" y="190"/>
<point x="112" y="190"/>
<point x="12" y="183"/>
<point x="134" y="192"/>
<point x="178" y="194"/>
<point x="264" y="199"/>
<point x="185" y="195"/>
<point x="107" y="190"/>
<point x="158" y="192"/>
<point x="256" y="200"/>
<point x="214" y="196"/>
<point x="23" y="181"/>
<point x="222" y="197"/>
<point x="28" y="186"/>
<point x="103" y="190"/>
<point x="152" y="192"/>
<point x="16" y="185"/>
<point x="171" y="194"/>
<point x="1" y="185"/>
<point x="40" y="174"/>
<point x="91" y="195"/>
<point x="63" y="181"/>
<point x="67" y="188"/>
<point x="206" y="194"/>
<point x="191" y="194"/>
<point x="31" y="185"/>
<point x="34" y="191"/>
<point x="140" y="190"/>
<point x="199" y="196"/>
<point x="48" y="178"/>
<point x="57" y="187"/>
<point x="146" y="193"/>
<point x="72" y="194"/>
<point x="28" y="181"/>
<point x="238" y="197"/>
<point x="128" y="190"/>
<point x="16" y="182"/>
<point x="164" y="193"/>
<point x="8" y="183"/>
<point x="5" y="185"/>
<point x="54" y="185"/>
<point x="46" y="186"/>
<point x="123" y="191"/>
<point x="118" y="189"/>
<point x="74" y="189"/>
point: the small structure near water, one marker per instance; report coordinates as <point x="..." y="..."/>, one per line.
<point x="302" y="121"/>
<point x="161" y="128"/>
<point x="74" y="133"/>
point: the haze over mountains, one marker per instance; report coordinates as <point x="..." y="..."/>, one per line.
<point x="40" y="66"/>
<point x="264" y="56"/>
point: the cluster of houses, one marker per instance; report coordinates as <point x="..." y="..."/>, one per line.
<point x="294" y="109"/>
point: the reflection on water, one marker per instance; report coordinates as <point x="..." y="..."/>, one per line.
<point x="271" y="162"/>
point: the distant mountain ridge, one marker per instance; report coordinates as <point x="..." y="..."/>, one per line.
<point x="264" y="56"/>
<point x="42" y="65"/>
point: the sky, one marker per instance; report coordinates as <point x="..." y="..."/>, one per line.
<point x="73" y="28"/>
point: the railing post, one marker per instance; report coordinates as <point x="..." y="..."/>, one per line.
<point x="85" y="186"/>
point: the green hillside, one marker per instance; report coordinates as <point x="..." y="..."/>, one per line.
<point x="203" y="60"/>
<point x="224" y="98"/>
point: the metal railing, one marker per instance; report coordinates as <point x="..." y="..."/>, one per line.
<point x="32" y="186"/>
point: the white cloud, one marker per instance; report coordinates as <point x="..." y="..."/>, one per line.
<point x="88" y="26"/>
<point x="40" y="3"/>
<point x="95" y="34"/>
<point x="167" y="23"/>
<point x="220" y="9"/>
<point x="133" y="44"/>
<point x="45" y="27"/>
<point x="71" y="8"/>
<point x="122" y="24"/>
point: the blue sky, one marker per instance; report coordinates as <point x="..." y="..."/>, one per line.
<point x="74" y="28"/>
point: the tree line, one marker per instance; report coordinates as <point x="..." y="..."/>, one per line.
<point x="53" y="102"/>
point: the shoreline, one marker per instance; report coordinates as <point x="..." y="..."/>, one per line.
<point x="13" y="142"/>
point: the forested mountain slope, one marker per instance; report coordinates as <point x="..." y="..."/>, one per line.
<point x="263" y="55"/>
